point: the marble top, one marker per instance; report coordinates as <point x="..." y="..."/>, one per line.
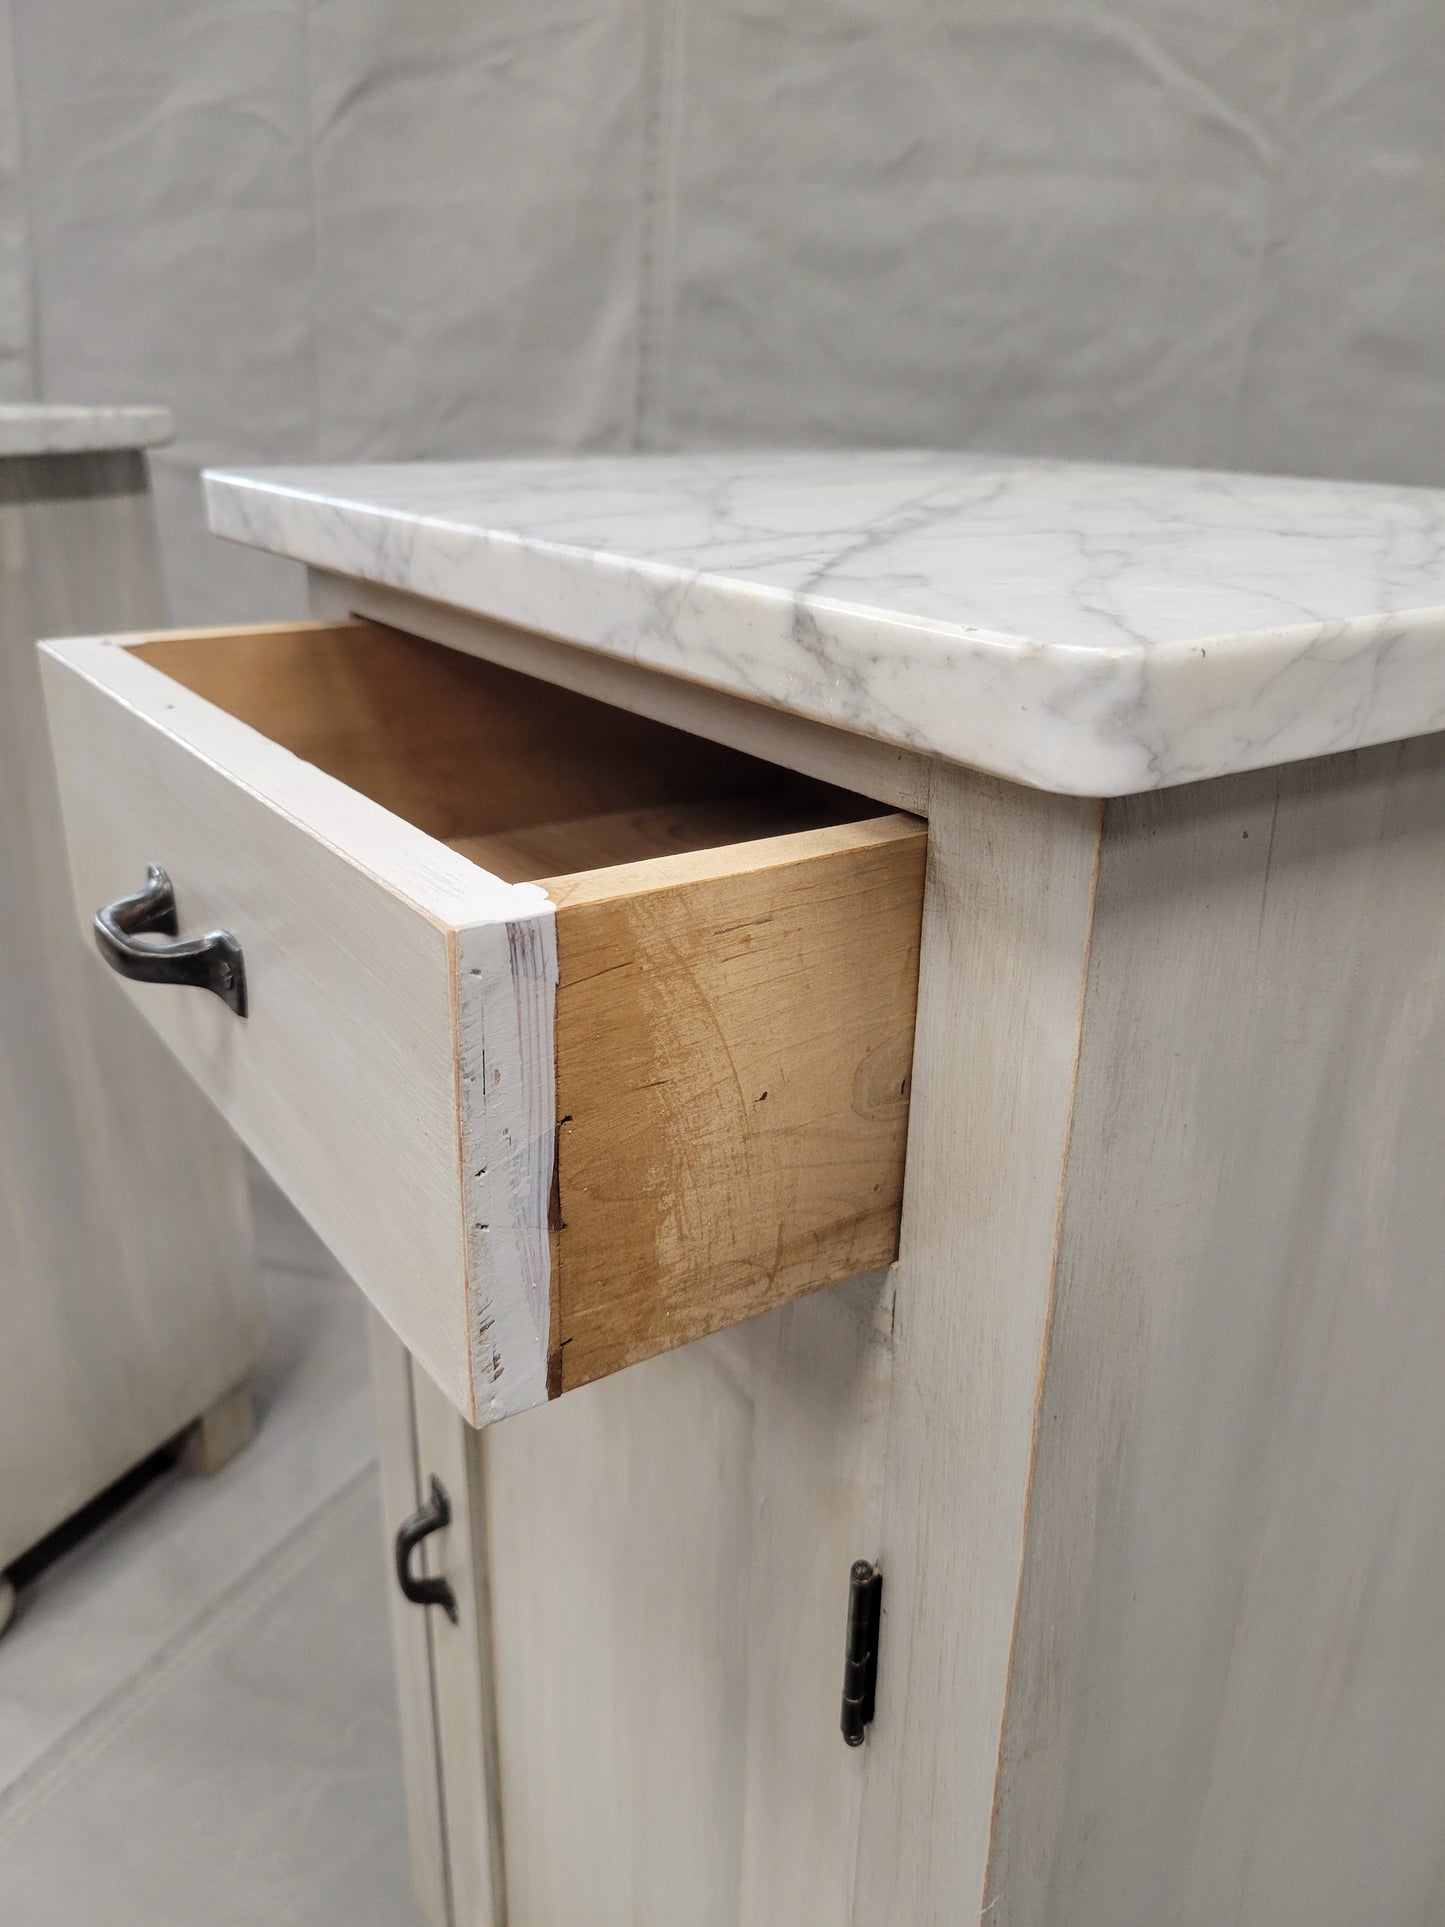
<point x="37" y="428"/>
<point x="1083" y="628"/>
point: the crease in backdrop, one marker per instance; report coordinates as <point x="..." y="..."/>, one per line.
<point x="1194" y="231"/>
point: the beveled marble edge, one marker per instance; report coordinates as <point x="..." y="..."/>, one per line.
<point x="37" y="428"/>
<point x="1102" y="719"/>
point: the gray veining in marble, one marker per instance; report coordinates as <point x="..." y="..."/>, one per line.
<point x="1083" y="628"/>
<point x="38" y="428"/>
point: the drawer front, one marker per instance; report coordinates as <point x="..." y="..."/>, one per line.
<point x="342" y="1077"/>
<point x="550" y="1126"/>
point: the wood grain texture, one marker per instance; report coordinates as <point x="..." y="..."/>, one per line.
<point x="540" y="852"/>
<point x="891" y="775"/>
<point x="343" y="1078"/>
<point x="730" y="1097"/>
<point x="1005" y="937"/>
<point x="669" y="1552"/>
<point x="739" y="1138"/>
<point x="128" y="1299"/>
<point x="454" y="745"/>
<point x="411" y="1627"/>
<point x="1229" y="1679"/>
<point x="463" y="1662"/>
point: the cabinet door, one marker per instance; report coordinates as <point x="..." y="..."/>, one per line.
<point x="636" y="1716"/>
<point x="443" y="1665"/>
<point x="411" y="1626"/>
<point x="463" y="1662"/>
<point x="669" y="1558"/>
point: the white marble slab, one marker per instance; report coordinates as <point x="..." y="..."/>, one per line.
<point x="1089" y="629"/>
<point x="35" y="428"/>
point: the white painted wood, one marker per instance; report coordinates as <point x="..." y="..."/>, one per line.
<point x="1162" y="1515"/>
<point x="411" y="1626"/>
<point x="129" y="1297"/>
<point x="875" y="769"/>
<point x="462" y="1660"/>
<point x="1005" y="937"/>
<point x="1228" y="1695"/>
<point x="505" y="1011"/>
<point x="343" y="1077"/>
<point x="220" y="1433"/>
<point x="669" y="1555"/>
<point x="818" y="1381"/>
<point x="396" y="1068"/>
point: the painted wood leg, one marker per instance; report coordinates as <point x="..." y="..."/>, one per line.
<point x="220" y="1433"/>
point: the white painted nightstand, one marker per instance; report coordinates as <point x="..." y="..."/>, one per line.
<point x="578" y="1037"/>
<point x="128" y="1302"/>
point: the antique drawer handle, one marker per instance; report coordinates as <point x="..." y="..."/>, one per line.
<point x="213" y="962"/>
<point x="428" y="1518"/>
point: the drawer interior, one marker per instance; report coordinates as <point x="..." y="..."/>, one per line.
<point x="529" y="781"/>
<point x="667" y="1094"/>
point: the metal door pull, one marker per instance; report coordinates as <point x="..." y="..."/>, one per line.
<point x="213" y="962"/>
<point x="428" y="1518"/>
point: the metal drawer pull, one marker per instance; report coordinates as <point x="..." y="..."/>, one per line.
<point x="428" y="1518"/>
<point x="213" y="962"/>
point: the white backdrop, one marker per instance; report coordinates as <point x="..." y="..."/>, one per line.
<point x="1201" y="231"/>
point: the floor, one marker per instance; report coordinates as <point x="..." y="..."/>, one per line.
<point x="197" y="1716"/>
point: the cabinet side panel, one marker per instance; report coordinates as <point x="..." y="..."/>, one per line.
<point x="126" y="1270"/>
<point x="1228" y="1695"/>
<point x="1005" y="937"/>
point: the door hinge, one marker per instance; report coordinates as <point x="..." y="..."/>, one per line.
<point x="860" y="1657"/>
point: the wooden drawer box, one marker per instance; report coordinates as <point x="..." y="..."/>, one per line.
<point x="574" y="1036"/>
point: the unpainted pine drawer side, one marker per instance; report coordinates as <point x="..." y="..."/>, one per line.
<point x="734" y="1053"/>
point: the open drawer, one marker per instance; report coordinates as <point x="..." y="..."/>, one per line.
<point x="573" y="1036"/>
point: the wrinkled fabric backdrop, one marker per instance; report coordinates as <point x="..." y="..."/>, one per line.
<point x="1196" y="231"/>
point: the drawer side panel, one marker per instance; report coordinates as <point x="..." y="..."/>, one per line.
<point x="734" y="1055"/>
